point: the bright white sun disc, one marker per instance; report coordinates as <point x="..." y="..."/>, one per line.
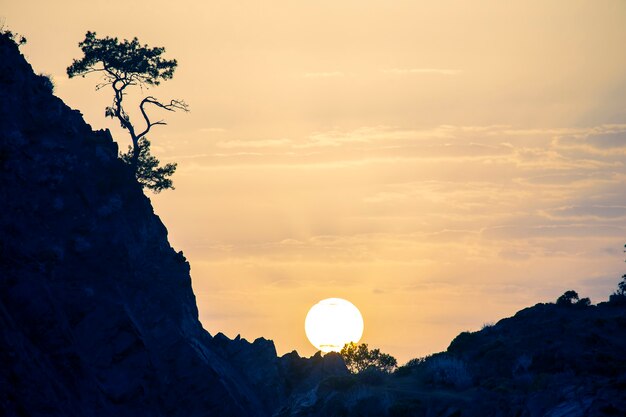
<point x="332" y="323"/>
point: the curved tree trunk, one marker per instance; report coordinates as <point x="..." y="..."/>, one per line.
<point x="125" y="122"/>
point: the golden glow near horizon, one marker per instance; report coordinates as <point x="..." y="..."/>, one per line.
<point x="440" y="163"/>
<point x="333" y="322"/>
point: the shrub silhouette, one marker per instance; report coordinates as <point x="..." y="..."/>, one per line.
<point x="571" y="298"/>
<point x="568" y="298"/>
<point x="149" y="173"/>
<point x="621" y="287"/>
<point x="46" y="82"/>
<point x="18" y="39"/>
<point x="448" y="371"/>
<point x="411" y="365"/>
<point x="619" y="296"/>
<point x="122" y="65"/>
<point x="358" y="358"/>
<point x="584" y="302"/>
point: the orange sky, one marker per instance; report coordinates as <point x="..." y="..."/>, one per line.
<point x="441" y="164"/>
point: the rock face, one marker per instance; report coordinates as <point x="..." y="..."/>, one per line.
<point x="97" y="314"/>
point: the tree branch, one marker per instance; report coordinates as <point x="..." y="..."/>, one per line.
<point x="89" y="71"/>
<point x="173" y="105"/>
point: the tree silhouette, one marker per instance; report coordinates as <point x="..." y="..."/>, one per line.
<point x="568" y="298"/>
<point x="122" y="65"/>
<point x="621" y="286"/>
<point x="149" y="174"/>
<point x="359" y="358"/>
<point x="18" y="39"/>
<point x="619" y="296"/>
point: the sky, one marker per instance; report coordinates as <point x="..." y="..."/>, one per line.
<point x="441" y="164"/>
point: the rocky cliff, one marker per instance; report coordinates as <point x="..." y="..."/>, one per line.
<point x="97" y="314"/>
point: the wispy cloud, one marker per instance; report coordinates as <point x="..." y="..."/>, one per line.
<point x="592" y="211"/>
<point x="538" y="156"/>
<point x="606" y="140"/>
<point x="354" y="210"/>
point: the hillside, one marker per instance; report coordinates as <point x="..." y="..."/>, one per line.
<point x="98" y="316"/>
<point x="547" y="360"/>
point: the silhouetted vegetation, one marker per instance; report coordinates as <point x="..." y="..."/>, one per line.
<point x="46" y="82"/>
<point x="570" y="298"/>
<point x="584" y="302"/>
<point x="448" y="371"/>
<point x="416" y="362"/>
<point x="18" y="39"/>
<point x="439" y="369"/>
<point x="359" y="358"/>
<point x="619" y="296"/>
<point x="122" y="65"/>
<point x="149" y="173"/>
<point x="621" y="287"/>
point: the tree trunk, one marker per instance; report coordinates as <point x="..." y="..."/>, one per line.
<point x="134" y="162"/>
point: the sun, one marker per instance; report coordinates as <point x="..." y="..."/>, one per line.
<point x="332" y="323"/>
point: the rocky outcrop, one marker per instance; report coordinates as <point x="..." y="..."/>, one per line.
<point x="97" y="314"/>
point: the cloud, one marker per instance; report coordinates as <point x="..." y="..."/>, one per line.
<point x="612" y="140"/>
<point x="514" y="255"/>
<point x="554" y="231"/>
<point x="606" y="140"/>
<point x="590" y="211"/>
<point x="372" y="134"/>
<point x="439" y="71"/>
<point x="543" y="159"/>
<point x="409" y="197"/>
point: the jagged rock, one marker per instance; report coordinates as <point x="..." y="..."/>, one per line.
<point x="97" y="315"/>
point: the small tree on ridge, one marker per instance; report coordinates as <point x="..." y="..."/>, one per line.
<point x="122" y="65"/>
<point x="568" y="298"/>
<point x="619" y="296"/>
<point x="358" y="358"/>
